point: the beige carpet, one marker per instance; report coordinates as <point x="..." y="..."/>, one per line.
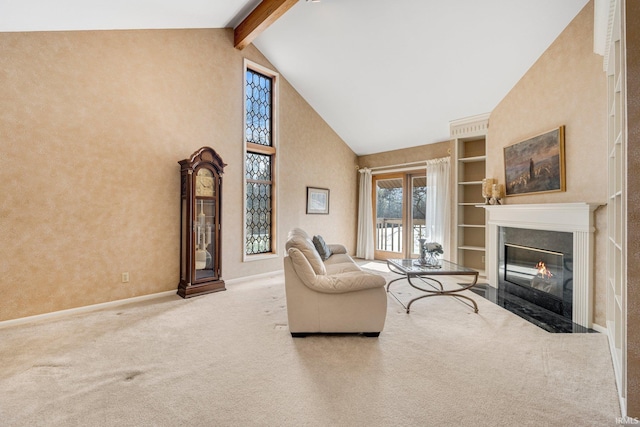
<point x="227" y="359"/>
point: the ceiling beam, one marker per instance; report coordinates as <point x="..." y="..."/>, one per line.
<point x="265" y="14"/>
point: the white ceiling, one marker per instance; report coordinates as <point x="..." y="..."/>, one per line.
<point x="383" y="74"/>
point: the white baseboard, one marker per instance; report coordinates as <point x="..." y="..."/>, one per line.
<point x="599" y="328"/>
<point x="110" y="304"/>
<point x="83" y="309"/>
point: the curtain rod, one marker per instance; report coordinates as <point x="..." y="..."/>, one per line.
<point x="403" y="166"/>
<point x="400" y="165"/>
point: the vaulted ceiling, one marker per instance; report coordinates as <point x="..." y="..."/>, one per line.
<point x="383" y="74"/>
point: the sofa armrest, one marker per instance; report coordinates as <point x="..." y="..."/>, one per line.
<point x="337" y="248"/>
<point x="349" y="281"/>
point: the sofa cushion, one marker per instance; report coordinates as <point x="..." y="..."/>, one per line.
<point x="305" y="245"/>
<point x="321" y="247"/>
<point x="341" y="267"/>
<point x="339" y="263"/>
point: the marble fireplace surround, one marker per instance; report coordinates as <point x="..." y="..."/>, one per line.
<point x="575" y="218"/>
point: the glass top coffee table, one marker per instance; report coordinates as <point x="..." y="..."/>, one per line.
<point x="418" y="276"/>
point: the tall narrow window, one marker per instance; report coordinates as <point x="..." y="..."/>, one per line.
<point x="260" y="156"/>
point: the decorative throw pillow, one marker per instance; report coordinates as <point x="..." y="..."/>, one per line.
<point x="321" y="247"/>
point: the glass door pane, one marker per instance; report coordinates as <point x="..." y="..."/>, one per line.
<point x="204" y="238"/>
<point x="389" y="216"/>
<point x="417" y="215"/>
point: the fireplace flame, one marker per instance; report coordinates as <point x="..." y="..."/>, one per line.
<point x="543" y="271"/>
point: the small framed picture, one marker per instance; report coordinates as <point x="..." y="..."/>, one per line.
<point x="317" y="200"/>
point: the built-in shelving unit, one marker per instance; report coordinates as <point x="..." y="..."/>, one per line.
<point x="470" y="169"/>
<point x="617" y="209"/>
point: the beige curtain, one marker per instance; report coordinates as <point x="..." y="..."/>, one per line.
<point x="364" y="246"/>
<point x="438" y="211"/>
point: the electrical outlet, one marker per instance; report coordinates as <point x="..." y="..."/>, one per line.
<point x="125" y="277"/>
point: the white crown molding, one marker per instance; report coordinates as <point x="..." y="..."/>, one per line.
<point x="469" y="126"/>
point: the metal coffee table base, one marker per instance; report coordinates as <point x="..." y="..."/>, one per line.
<point x="423" y="278"/>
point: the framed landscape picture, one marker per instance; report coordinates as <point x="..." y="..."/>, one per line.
<point x="535" y="165"/>
<point x="317" y="200"/>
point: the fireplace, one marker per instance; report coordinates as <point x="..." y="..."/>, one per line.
<point x="537" y="266"/>
<point x="573" y="226"/>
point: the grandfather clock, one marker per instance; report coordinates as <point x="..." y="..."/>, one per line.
<point x="201" y="196"/>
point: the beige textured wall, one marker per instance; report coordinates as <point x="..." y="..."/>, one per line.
<point x="633" y="203"/>
<point x="566" y="86"/>
<point x="407" y="155"/>
<point x="92" y="125"/>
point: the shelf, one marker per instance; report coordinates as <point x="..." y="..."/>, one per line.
<point x="472" y="159"/>
<point x="614" y="243"/>
<point x="612" y="153"/>
<point x="618" y="301"/>
<point x="618" y="140"/>
<point x="470" y="230"/>
<point x="472" y="248"/>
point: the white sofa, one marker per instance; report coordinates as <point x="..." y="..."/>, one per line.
<point x="332" y="295"/>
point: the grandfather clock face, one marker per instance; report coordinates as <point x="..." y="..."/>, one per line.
<point x="204" y="183"/>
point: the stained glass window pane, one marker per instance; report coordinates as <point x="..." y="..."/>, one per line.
<point x="258" y="217"/>
<point x="258" y="167"/>
<point x="258" y="108"/>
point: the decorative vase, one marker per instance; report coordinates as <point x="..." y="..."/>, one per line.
<point x="423" y="252"/>
<point x="432" y="259"/>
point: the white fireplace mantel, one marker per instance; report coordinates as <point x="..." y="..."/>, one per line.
<point x="576" y="218"/>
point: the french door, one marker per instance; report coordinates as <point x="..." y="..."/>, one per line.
<point x="399" y="202"/>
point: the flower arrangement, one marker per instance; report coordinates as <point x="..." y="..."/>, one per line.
<point x="429" y="254"/>
<point x="433" y="248"/>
